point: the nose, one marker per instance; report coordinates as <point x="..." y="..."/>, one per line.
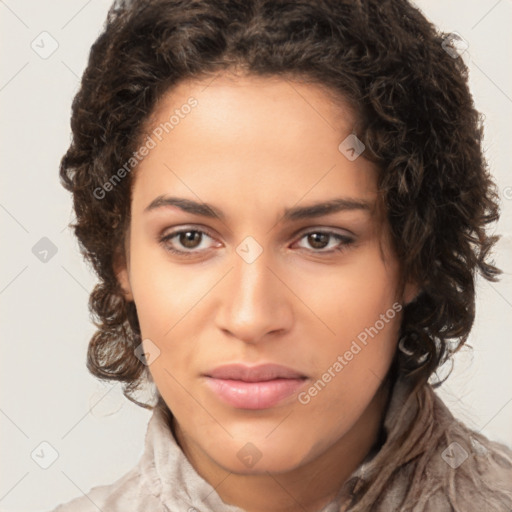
<point x="255" y="301"/>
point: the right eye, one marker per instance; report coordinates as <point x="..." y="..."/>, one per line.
<point x="188" y="238"/>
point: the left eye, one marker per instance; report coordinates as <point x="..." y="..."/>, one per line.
<point x="191" y="240"/>
<point x="318" y="240"/>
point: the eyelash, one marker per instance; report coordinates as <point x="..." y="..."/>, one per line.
<point x="346" y="241"/>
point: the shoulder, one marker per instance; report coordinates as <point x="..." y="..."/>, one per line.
<point x="90" y="502"/>
<point x="79" y="504"/>
<point x="435" y="463"/>
<point x="127" y="493"/>
<point x="474" y="472"/>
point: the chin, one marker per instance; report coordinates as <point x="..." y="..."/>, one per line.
<point x="248" y="458"/>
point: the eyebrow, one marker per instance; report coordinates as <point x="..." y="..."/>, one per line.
<point x="290" y="214"/>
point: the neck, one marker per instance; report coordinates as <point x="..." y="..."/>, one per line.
<point x="308" y="488"/>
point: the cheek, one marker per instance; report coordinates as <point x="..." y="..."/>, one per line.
<point x="350" y="371"/>
<point x="163" y="292"/>
<point x="353" y="297"/>
<point x="168" y="300"/>
<point x="360" y="306"/>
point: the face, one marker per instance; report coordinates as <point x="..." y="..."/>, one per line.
<point x="259" y="277"/>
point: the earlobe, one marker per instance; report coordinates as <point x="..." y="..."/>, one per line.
<point x="411" y="292"/>
<point x="123" y="277"/>
<point x="124" y="282"/>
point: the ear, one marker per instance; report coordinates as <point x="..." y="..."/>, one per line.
<point x="411" y="291"/>
<point x="122" y="273"/>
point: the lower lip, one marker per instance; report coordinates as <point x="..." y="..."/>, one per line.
<point x="254" y="395"/>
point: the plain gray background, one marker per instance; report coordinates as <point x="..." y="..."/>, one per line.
<point x="47" y="394"/>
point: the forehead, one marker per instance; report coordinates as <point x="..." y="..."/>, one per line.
<point x="268" y="141"/>
<point x="280" y="99"/>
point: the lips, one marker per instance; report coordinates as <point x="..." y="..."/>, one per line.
<point x="256" y="387"/>
<point x="259" y="373"/>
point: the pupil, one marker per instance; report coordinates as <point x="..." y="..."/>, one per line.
<point x="314" y="240"/>
<point x="188" y="237"/>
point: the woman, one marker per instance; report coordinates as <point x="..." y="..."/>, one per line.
<point x="286" y="204"/>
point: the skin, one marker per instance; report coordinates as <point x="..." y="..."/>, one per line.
<point x="251" y="148"/>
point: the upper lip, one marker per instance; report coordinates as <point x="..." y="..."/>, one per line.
<point x="258" y="373"/>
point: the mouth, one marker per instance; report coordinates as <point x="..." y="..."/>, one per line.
<point x="256" y="387"/>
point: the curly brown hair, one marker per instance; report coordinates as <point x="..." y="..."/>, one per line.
<point x="415" y="115"/>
